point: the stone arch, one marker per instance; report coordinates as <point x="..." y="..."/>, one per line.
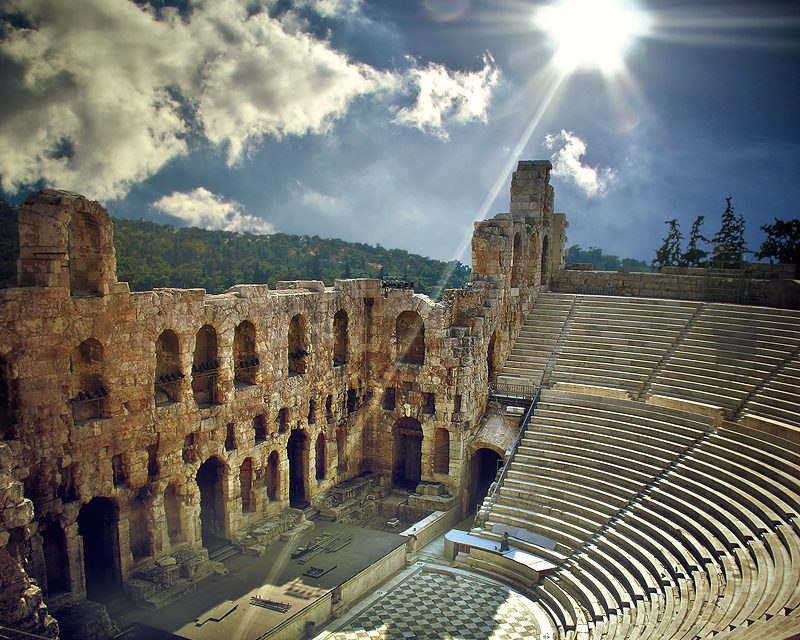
<point x="545" y="260"/>
<point x="247" y="485"/>
<point x="299" y="345"/>
<point x="410" y="334"/>
<point x="98" y="525"/>
<point x="441" y="451"/>
<point x="297" y="452"/>
<point x="482" y="471"/>
<point x="173" y="514"/>
<point x="205" y="367"/>
<point x="341" y="338"/>
<point x="65" y="241"/>
<point x="211" y="480"/>
<point x="320" y="451"/>
<point x="168" y="368"/>
<point x="56" y="558"/>
<point x="516" y="261"/>
<point x="8" y="402"/>
<point x="141" y="542"/>
<point x="245" y="358"/>
<point x="272" y="476"/>
<point x="85" y="272"/>
<point x="89" y="393"/>
<point x="407" y="454"/>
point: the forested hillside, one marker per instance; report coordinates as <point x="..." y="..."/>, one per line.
<point x="604" y="261"/>
<point x="153" y="255"/>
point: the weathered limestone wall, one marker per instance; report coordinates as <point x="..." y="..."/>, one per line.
<point x="729" y="287"/>
<point x="116" y="401"/>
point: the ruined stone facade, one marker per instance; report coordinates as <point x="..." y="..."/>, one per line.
<point x="137" y="426"/>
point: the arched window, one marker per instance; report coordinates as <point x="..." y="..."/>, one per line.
<point x="441" y="451"/>
<point x="168" y="369"/>
<point x="320" y="451"/>
<point x="259" y="429"/>
<point x="244" y="355"/>
<point x="89" y="393"/>
<point x="299" y="346"/>
<point x="516" y="265"/>
<point x="85" y="260"/>
<point x="340" y="338"/>
<point x="205" y="367"/>
<point x="410" y="333"/>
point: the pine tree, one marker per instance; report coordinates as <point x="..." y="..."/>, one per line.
<point x="728" y="244"/>
<point x="694" y="256"/>
<point x="669" y="255"/>
<point x="782" y="243"/>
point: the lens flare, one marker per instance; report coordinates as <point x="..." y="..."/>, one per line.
<point x="591" y="34"/>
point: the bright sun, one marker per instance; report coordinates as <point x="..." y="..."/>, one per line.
<point x="591" y="34"/>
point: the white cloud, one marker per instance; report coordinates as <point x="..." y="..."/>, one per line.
<point x="201" y="208"/>
<point x="444" y="97"/>
<point x="568" y="149"/>
<point x="102" y="94"/>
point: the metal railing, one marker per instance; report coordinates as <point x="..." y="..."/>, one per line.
<point x="523" y="424"/>
<point x="504" y="391"/>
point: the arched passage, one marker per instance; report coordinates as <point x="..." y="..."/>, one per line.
<point x="407" y="464"/>
<point x="441" y="451"/>
<point x="56" y="561"/>
<point x="297" y="450"/>
<point x="210" y="480"/>
<point x="246" y="484"/>
<point x="98" y="525"/>
<point x="320" y="456"/>
<point x="482" y="472"/>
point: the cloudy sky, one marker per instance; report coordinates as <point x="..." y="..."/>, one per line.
<point x="399" y="121"/>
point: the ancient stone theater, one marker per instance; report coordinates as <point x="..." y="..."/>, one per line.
<point x="547" y="452"/>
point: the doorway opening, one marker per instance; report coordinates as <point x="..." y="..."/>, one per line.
<point x="98" y="525"/>
<point x="407" y="467"/>
<point x="297" y="450"/>
<point x="482" y="472"/>
<point x="210" y="480"/>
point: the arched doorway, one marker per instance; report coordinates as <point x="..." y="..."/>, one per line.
<point x="98" y="525"/>
<point x="407" y="467"/>
<point x="482" y="472"/>
<point x="320" y="456"/>
<point x="210" y="480"/>
<point x="273" y="476"/>
<point x="297" y="450"/>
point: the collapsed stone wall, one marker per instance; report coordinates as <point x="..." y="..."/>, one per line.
<point x="124" y="408"/>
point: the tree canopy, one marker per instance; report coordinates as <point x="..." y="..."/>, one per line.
<point x="782" y="243"/>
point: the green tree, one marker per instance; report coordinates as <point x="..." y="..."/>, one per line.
<point x="669" y="255"/>
<point x="728" y="244"/>
<point x="694" y="256"/>
<point x="782" y="243"/>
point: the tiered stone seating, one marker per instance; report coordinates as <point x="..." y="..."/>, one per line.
<point x="618" y="342"/>
<point x="537" y="339"/>
<point x="728" y="353"/>
<point x="666" y="524"/>
<point x="779" y="399"/>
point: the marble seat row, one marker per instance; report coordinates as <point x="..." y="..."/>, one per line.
<point x="667" y="525"/>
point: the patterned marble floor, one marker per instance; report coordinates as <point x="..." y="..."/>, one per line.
<point x="448" y="607"/>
